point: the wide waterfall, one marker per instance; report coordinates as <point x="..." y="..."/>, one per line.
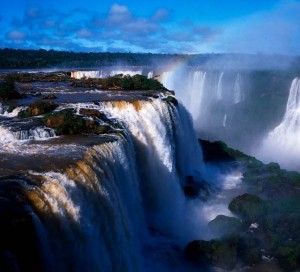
<point x="208" y="95"/>
<point x="283" y="143"/>
<point x="109" y="206"/>
<point x="105" y="73"/>
<point x="237" y="106"/>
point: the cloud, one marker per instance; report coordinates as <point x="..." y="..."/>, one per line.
<point x="275" y="31"/>
<point x="161" y="15"/>
<point x="118" y="29"/>
<point x="16" y="36"/>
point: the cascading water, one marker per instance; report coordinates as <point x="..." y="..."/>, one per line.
<point x="219" y="87"/>
<point x="104" y="73"/>
<point x="237" y="94"/>
<point x="283" y="143"/>
<point x="95" y="213"/>
<point x="5" y="112"/>
<point x="196" y="93"/>
<point x="87" y="74"/>
<point x="38" y="133"/>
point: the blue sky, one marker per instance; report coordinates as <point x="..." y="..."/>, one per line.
<point x="170" y="26"/>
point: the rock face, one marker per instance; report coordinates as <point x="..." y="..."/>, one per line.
<point x="222" y="254"/>
<point x="8" y="90"/>
<point x="39" y="108"/>
<point x="92" y="112"/>
<point x="224" y="225"/>
<point x="66" y="122"/>
<point x="248" y="207"/>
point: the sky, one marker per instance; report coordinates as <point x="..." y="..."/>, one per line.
<point x="170" y="26"/>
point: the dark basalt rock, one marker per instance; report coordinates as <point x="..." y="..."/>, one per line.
<point x="215" y="151"/>
<point x="222" y="254"/>
<point x="39" y="108"/>
<point x="92" y="112"/>
<point x="249" y="207"/>
<point x="50" y="96"/>
<point x="224" y="225"/>
<point x="171" y="99"/>
<point x="193" y="188"/>
<point x="8" y="89"/>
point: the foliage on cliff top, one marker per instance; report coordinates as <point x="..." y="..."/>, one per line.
<point x="120" y="82"/>
<point x="7" y="89"/>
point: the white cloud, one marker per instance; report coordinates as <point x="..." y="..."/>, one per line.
<point x="16" y="36"/>
<point x="275" y="31"/>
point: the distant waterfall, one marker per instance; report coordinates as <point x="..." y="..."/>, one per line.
<point x="283" y="143"/>
<point x="237" y="94"/>
<point x="96" y="213"/>
<point x="219" y="87"/>
<point x="104" y="73"/>
<point x="197" y="92"/>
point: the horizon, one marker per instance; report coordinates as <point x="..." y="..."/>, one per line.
<point x="145" y="53"/>
<point x="172" y="27"/>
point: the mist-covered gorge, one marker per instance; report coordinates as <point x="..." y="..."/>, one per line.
<point x="237" y="106"/>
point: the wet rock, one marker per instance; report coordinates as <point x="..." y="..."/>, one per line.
<point x="224" y="225"/>
<point x="249" y="207"/>
<point x="8" y="89"/>
<point x="193" y="188"/>
<point x="222" y="254"/>
<point x="50" y="96"/>
<point x="92" y="112"/>
<point x="171" y="99"/>
<point x="39" y="108"/>
<point x="66" y="122"/>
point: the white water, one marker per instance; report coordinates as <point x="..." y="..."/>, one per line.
<point x="4" y="111"/>
<point x="202" y="92"/>
<point x="38" y="133"/>
<point x="150" y="75"/>
<point x="196" y="93"/>
<point x="237" y="95"/>
<point x="104" y="73"/>
<point x="283" y="143"/>
<point x="224" y="120"/>
<point x="219" y="87"/>
<point x="100" y="209"/>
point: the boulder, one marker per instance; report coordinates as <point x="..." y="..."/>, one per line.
<point x="92" y="112"/>
<point x="249" y="207"/>
<point x="221" y="254"/>
<point x="224" y="225"/>
<point x="39" y="108"/>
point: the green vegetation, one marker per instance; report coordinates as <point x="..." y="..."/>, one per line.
<point x="66" y="122"/>
<point x="268" y="216"/>
<point x="38" y="108"/>
<point x="20" y="59"/>
<point x="8" y="89"/>
<point x="120" y="82"/>
<point x="40" y="76"/>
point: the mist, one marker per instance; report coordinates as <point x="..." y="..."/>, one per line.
<point x="241" y="99"/>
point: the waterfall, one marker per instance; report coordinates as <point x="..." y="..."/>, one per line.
<point x="196" y="93"/>
<point x="104" y="73"/>
<point x="283" y="143"/>
<point x="126" y="72"/>
<point x="4" y="111"/>
<point x="96" y="213"/>
<point x="219" y="86"/>
<point x="150" y="75"/>
<point x="237" y="94"/>
<point x="87" y="74"/>
<point x="38" y="133"/>
<point x="224" y="120"/>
